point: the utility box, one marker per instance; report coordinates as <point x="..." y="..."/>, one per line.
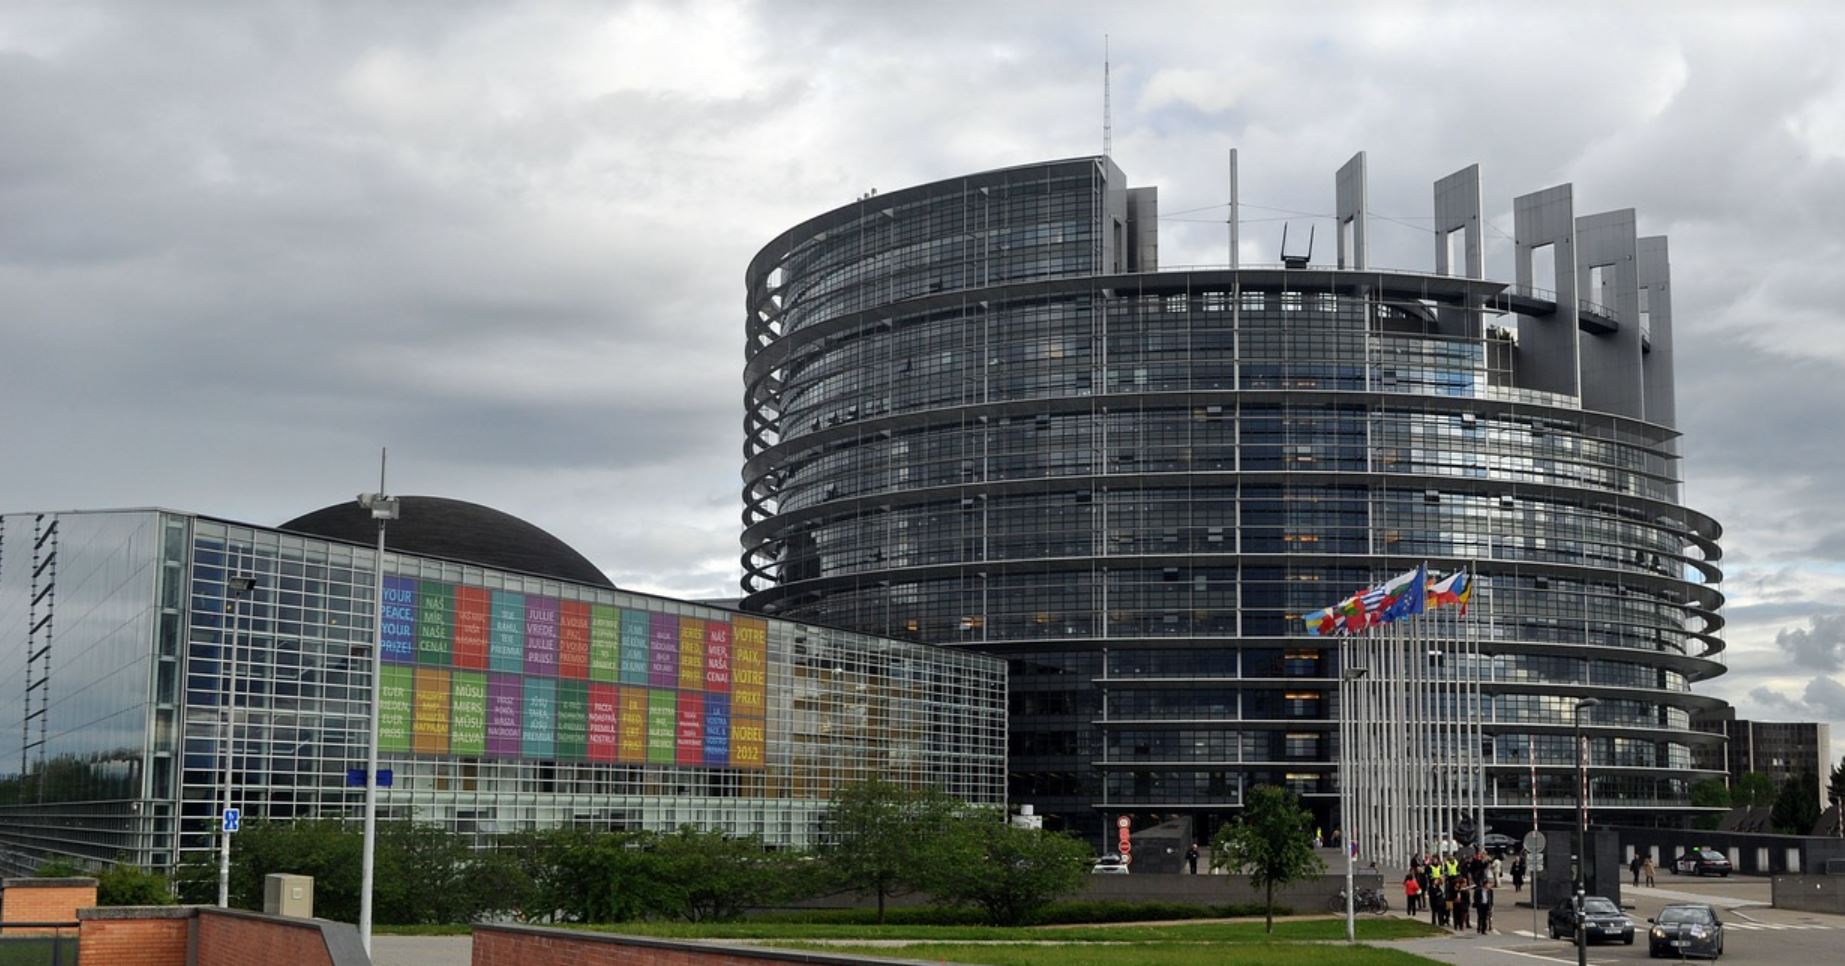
<point x="288" y="895"/>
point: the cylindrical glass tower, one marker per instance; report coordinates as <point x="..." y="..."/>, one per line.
<point x="978" y="414"/>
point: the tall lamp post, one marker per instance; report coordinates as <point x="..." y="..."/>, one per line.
<point x="235" y="589"/>
<point x="1582" y="830"/>
<point x="1347" y="677"/>
<point x="383" y="509"/>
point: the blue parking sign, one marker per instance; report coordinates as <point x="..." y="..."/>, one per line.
<point x="232" y="818"/>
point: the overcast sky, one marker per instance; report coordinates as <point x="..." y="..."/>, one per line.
<point x="243" y="245"/>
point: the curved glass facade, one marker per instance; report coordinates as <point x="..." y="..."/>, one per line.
<point x="978" y="415"/>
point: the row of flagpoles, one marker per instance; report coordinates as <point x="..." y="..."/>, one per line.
<point x="1411" y="764"/>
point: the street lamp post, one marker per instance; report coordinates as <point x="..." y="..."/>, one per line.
<point x="1348" y="676"/>
<point x="383" y="509"/>
<point x="235" y="589"/>
<point x="1582" y="830"/>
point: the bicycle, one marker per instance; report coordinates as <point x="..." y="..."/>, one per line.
<point x="1364" y="900"/>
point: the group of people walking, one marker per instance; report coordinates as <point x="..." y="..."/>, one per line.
<point x="1458" y="889"/>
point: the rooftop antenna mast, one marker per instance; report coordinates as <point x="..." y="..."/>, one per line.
<point x="1108" y="126"/>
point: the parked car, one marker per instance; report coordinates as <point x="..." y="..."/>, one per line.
<point x="1701" y="862"/>
<point x="1109" y="864"/>
<point x="1500" y="845"/>
<point x="1603" y="921"/>
<point x="1685" y="929"/>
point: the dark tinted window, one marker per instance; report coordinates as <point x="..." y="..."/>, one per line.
<point x="1685" y="914"/>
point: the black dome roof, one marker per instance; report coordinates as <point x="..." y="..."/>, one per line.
<point x="456" y="530"/>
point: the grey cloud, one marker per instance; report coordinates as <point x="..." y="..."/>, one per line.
<point x="1774" y="699"/>
<point x="1819" y="646"/>
<point x="1826" y="696"/>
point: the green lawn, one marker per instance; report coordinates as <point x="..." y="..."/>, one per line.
<point x="1207" y="932"/>
<point x="1143" y="954"/>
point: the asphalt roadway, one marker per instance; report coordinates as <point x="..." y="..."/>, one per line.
<point x="1753" y="931"/>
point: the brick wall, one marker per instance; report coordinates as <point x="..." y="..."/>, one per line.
<point x="44" y="900"/>
<point x="145" y="936"/>
<point x="228" y="939"/>
<point x="532" y="946"/>
<point x="208" y="936"/>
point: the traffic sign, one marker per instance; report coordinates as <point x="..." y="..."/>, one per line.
<point x="1535" y="862"/>
<point x="1123" y="822"/>
<point x="1534" y="841"/>
<point x="233" y="817"/>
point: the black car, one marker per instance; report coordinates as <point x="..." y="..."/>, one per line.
<point x="1603" y="921"/>
<point x="1498" y="845"/>
<point x="1685" y="929"/>
<point x="1701" y="862"/>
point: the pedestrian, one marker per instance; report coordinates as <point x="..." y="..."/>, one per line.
<point x="1319" y="838"/>
<point x="1335" y="837"/>
<point x="1460" y="905"/>
<point x="1497" y="868"/>
<point x="1483" y="907"/>
<point x="1411" y="891"/>
<point x="1634" y="866"/>
<point x="1647" y="869"/>
<point x="1438" y="903"/>
<point x="1191" y="858"/>
<point x="1518" y="873"/>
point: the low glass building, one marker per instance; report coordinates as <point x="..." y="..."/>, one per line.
<point x="520" y="689"/>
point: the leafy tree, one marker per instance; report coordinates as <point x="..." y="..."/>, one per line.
<point x="123" y="884"/>
<point x="1835" y="789"/>
<point x="713" y="877"/>
<point x="1008" y="873"/>
<point x="1753" y="789"/>
<point x="1710" y="793"/>
<point x="882" y="832"/>
<point x="1271" y="842"/>
<point x="1796" y="810"/>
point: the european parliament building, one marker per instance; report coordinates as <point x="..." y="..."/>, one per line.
<point x="979" y="413"/>
<point x="520" y="689"/>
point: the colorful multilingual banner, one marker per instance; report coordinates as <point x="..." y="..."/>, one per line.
<point x="491" y="673"/>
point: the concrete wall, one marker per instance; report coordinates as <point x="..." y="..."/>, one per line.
<point x="528" y="945"/>
<point x="1751" y="853"/>
<point x="1810" y="893"/>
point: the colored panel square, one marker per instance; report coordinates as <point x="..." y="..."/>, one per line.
<point x="572" y="720"/>
<point x="604" y="721"/>
<point x="573" y="640"/>
<point x="506" y="649"/>
<point x="604" y="643"/>
<point x="717" y="729"/>
<point x="539" y="739"/>
<point x="541" y="636"/>
<point x="663" y="650"/>
<point x="691" y="654"/>
<point x="467" y="715"/>
<point x="635" y="651"/>
<point x="662" y="719"/>
<point x="691" y="733"/>
<point x="435" y="623"/>
<point x="632" y="725"/>
<point x="396" y="684"/>
<point x="429" y="726"/>
<point x="399" y="620"/>
<point x="749" y="668"/>
<point x="505" y="706"/>
<point x="473" y="617"/>
<point x="746" y="742"/>
<point x="717" y="657"/>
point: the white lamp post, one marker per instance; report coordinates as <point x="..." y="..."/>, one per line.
<point x="235" y="589"/>
<point x="1347" y="677"/>
<point x="383" y="509"/>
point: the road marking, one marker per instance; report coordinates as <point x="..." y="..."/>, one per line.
<point x="1548" y="959"/>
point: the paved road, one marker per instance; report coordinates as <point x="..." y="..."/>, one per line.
<point x="1755" y="933"/>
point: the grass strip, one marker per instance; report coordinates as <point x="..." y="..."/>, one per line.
<point x="1141" y="954"/>
<point x="1296" y="930"/>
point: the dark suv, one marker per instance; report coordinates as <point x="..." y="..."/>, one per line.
<point x="1701" y="862"/>
<point x="1603" y="921"/>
